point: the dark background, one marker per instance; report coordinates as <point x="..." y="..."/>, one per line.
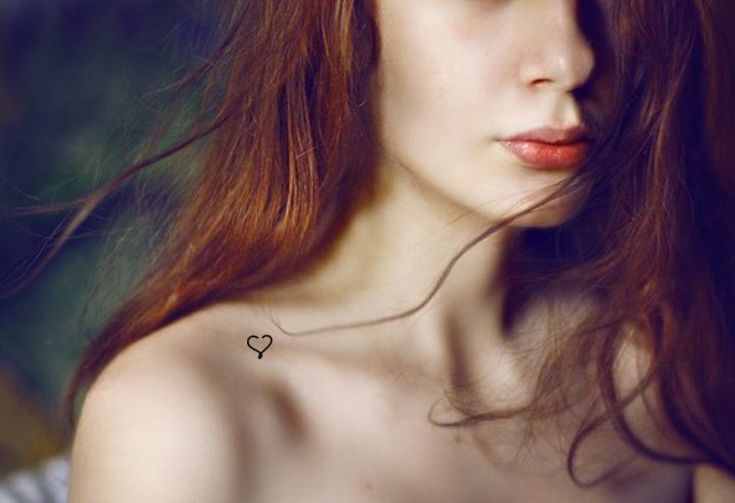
<point x="76" y="83"/>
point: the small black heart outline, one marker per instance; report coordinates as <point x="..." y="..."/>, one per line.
<point x="260" y="353"/>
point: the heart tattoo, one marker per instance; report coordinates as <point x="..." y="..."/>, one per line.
<point x="260" y="352"/>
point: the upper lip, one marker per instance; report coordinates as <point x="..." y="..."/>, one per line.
<point x="554" y="135"/>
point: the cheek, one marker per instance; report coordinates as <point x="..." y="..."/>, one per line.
<point x="441" y="74"/>
<point x="414" y="75"/>
<point x="429" y="95"/>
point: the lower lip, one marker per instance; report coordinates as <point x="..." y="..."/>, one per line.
<point x="547" y="155"/>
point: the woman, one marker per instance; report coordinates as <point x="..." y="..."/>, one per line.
<point x="490" y="244"/>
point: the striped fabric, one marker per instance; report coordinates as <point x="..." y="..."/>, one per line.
<point x="45" y="484"/>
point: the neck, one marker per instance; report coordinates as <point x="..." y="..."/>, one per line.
<point x="388" y="260"/>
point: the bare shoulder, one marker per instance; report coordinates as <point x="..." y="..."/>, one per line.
<point x="175" y="417"/>
<point x="712" y="485"/>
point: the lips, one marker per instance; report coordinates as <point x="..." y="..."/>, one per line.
<point x="551" y="156"/>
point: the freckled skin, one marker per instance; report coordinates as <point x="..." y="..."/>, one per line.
<point x="342" y="416"/>
<point x="462" y="74"/>
<point x="453" y="77"/>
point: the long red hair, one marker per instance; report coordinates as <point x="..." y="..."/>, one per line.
<point x="288" y="151"/>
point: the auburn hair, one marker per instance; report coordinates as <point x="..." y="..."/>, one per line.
<point x="287" y="155"/>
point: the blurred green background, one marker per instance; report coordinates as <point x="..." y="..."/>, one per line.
<point x="75" y="84"/>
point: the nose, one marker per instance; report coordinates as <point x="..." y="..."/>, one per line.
<point x="558" y="53"/>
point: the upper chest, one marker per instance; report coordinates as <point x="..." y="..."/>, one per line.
<point x="362" y="440"/>
<point x="335" y="430"/>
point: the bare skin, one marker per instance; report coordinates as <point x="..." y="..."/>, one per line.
<point x="318" y="419"/>
<point x="342" y="416"/>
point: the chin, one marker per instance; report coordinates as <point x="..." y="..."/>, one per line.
<point x="552" y="214"/>
<point x="556" y="212"/>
